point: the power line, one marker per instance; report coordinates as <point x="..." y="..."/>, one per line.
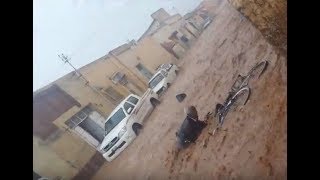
<point x="66" y="59"/>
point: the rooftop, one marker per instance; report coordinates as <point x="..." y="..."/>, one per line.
<point x="120" y="49"/>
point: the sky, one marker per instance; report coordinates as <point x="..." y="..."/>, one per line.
<point x="86" y="30"/>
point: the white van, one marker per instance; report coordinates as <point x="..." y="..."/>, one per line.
<point x="123" y="124"/>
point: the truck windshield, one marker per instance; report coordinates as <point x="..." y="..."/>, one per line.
<point x="155" y="80"/>
<point x="114" y="120"/>
<point x="166" y="66"/>
<point x="133" y="100"/>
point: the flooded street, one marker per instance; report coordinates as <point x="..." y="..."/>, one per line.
<point x="253" y="141"/>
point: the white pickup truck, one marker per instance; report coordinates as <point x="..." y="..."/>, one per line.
<point x="163" y="78"/>
<point x="123" y="124"/>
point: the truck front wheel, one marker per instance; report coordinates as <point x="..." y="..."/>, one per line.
<point x="136" y="127"/>
<point x="154" y="102"/>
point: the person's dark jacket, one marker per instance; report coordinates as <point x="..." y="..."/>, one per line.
<point x="189" y="130"/>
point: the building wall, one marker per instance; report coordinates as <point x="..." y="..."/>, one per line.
<point x="174" y="23"/>
<point x="98" y="74"/>
<point x="62" y="157"/>
<point x="84" y="95"/>
<point x="192" y="29"/>
<point x="173" y="19"/>
<point x="198" y="21"/>
<point x="42" y="155"/>
<point x="48" y="105"/>
<point x="160" y="15"/>
<point x="187" y="34"/>
<point x="152" y="54"/>
<point x="67" y="153"/>
<point x="177" y="23"/>
<point x="58" y="153"/>
<point x="162" y="34"/>
<point x="149" y="53"/>
<point x="179" y="50"/>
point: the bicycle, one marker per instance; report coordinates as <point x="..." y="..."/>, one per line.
<point x="238" y="89"/>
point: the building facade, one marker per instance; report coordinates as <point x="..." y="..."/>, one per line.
<point x="176" y="33"/>
<point x="69" y="114"/>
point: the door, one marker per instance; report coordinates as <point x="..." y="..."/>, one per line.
<point x="88" y="125"/>
<point x="93" y="129"/>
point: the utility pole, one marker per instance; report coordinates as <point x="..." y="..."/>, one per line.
<point x="66" y="59"/>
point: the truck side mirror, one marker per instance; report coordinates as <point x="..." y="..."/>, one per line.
<point x="129" y="110"/>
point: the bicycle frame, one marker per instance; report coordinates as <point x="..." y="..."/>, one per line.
<point x="229" y="103"/>
<point x="240" y="85"/>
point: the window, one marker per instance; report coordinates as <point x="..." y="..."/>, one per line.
<point x="127" y="106"/>
<point x="81" y="116"/>
<point x="173" y="35"/>
<point x="87" y="110"/>
<point x="144" y="71"/>
<point x="184" y="39"/>
<point x="113" y="94"/>
<point x="163" y="72"/>
<point x="76" y="119"/>
<point x="133" y="100"/>
<point x="114" y="120"/>
<point x="119" y="78"/>
<point x="167" y="67"/>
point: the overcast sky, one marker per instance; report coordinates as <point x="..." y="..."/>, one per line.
<point x="88" y="29"/>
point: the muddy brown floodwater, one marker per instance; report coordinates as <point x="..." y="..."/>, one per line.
<point x="253" y="141"/>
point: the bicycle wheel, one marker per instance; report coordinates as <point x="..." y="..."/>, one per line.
<point x="258" y="70"/>
<point x="242" y="95"/>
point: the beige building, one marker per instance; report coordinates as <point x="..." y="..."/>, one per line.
<point x="78" y="103"/>
<point x="175" y="33"/>
<point x="69" y="114"/>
